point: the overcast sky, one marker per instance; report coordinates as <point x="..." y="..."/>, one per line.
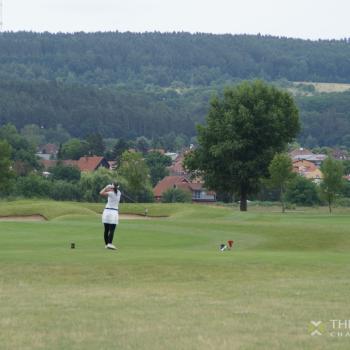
<point x="308" y="19"/>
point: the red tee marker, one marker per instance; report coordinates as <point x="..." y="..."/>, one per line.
<point x="230" y="244"/>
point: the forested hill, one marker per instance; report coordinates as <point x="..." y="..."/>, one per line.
<point x="83" y="110"/>
<point x="164" y="59"/>
<point x="132" y="84"/>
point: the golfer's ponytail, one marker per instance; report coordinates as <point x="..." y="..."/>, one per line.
<point x="115" y="186"/>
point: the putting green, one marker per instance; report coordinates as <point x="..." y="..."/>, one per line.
<point x="168" y="286"/>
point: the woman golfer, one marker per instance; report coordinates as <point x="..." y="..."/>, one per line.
<point x="110" y="217"/>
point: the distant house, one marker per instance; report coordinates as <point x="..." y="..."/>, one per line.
<point x="300" y="152"/>
<point x="198" y="192"/>
<point x="84" y="164"/>
<point x="47" y="151"/>
<point x="308" y="169"/>
<point x="305" y="154"/>
<point x="340" y="154"/>
<point x="90" y="164"/>
<point x="172" y="155"/>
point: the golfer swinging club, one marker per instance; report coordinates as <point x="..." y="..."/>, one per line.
<point x="110" y="217"/>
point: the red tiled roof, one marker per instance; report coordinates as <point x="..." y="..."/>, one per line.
<point x="83" y="164"/>
<point x="170" y="182"/>
<point x="299" y="152"/>
<point x="89" y="163"/>
<point x="299" y="165"/>
<point x="176" y="181"/>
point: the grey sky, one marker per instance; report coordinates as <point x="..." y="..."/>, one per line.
<point x="309" y="19"/>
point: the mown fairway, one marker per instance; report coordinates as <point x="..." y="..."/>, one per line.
<point x="168" y="286"/>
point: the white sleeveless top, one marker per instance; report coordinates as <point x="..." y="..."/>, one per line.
<point x="113" y="200"/>
<point x="110" y="214"/>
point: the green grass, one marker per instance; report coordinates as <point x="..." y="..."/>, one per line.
<point x="168" y="286"/>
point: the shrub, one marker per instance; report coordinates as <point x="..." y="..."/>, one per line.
<point x="302" y="191"/>
<point x="176" y="195"/>
<point x="91" y="184"/>
<point x="65" y="172"/>
<point x="63" y="190"/>
<point x="32" y="186"/>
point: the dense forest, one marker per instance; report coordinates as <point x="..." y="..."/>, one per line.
<point x="82" y="110"/>
<point x="132" y="84"/>
<point x="325" y="119"/>
<point x="169" y="58"/>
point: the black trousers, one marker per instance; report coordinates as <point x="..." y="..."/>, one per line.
<point x="109" y="233"/>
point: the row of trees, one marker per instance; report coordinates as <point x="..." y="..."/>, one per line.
<point x="157" y="58"/>
<point x="67" y="183"/>
<point x="137" y="175"/>
<point x="137" y="171"/>
<point x="244" y="130"/>
<point x="83" y="110"/>
<point x="20" y="169"/>
<point x="299" y="190"/>
<point x="325" y="119"/>
<point x="55" y="112"/>
<point x="93" y="144"/>
<point x="23" y="146"/>
<point x="127" y="85"/>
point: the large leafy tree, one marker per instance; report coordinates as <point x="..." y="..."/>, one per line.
<point x="333" y="182"/>
<point x="243" y="131"/>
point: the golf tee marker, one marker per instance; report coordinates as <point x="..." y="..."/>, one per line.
<point x="227" y="246"/>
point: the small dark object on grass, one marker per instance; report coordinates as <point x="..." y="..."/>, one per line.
<point x="223" y="247"/>
<point x="72" y="245"/>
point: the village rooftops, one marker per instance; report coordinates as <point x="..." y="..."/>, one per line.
<point x="86" y="164"/>
<point x="199" y="193"/>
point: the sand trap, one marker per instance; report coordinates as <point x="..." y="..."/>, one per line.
<point x="23" y="218"/>
<point x="133" y="217"/>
